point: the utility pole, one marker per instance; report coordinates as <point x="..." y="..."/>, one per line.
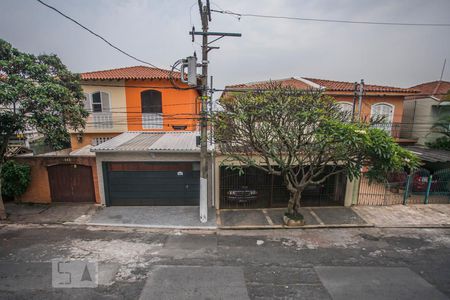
<point x="355" y="95"/>
<point x="205" y="15"/>
<point x="360" y="94"/>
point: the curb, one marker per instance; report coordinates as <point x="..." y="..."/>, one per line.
<point x="319" y="226"/>
<point x="145" y="226"/>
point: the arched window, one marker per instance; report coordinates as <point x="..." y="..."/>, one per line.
<point x="346" y="107"/>
<point x="384" y="111"/>
<point x="151" y="102"/>
<point x="151" y="105"/>
<point x="100" y="102"/>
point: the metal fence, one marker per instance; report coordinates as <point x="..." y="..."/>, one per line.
<point x="256" y="189"/>
<point x="421" y="187"/>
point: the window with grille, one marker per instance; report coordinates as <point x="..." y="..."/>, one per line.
<point x="99" y="140"/>
<point x="151" y="105"/>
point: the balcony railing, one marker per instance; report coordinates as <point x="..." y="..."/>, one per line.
<point x="396" y="129"/>
<point x="102" y="120"/>
<point x="152" y="121"/>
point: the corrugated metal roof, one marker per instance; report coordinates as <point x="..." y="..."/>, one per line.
<point x="176" y="141"/>
<point x="138" y="141"/>
<point x="113" y="143"/>
<point x="430" y="155"/>
<point x="141" y="142"/>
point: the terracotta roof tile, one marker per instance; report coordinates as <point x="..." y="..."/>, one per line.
<point x="436" y="89"/>
<point x="332" y="85"/>
<point x="136" y="72"/>
<point x="292" y="82"/>
<point x="328" y="85"/>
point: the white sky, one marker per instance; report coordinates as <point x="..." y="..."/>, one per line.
<point x="157" y="31"/>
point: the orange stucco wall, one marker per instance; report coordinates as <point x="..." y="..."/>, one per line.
<point x="179" y="107"/>
<point x="369" y="100"/>
<point x="38" y="190"/>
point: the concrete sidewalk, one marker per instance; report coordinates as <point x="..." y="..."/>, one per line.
<point x="315" y="217"/>
<point x="179" y="217"/>
<point x="48" y="213"/>
<point x="417" y="215"/>
<point x="187" y="217"/>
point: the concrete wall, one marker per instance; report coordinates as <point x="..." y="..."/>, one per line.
<point x="142" y="157"/>
<point x="39" y="189"/>
<point x="420" y="114"/>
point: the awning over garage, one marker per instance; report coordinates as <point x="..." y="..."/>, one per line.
<point x="142" y="141"/>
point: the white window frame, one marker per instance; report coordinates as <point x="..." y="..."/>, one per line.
<point x="101" y="119"/>
<point x="383" y="103"/>
<point x="388" y="123"/>
<point x="91" y="101"/>
<point x="349" y="111"/>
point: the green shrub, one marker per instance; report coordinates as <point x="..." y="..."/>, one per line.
<point x="15" y="178"/>
<point x="442" y="143"/>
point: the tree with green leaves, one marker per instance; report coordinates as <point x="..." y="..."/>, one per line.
<point x="442" y="126"/>
<point x="304" y="137"/>
<point x="39" y="93"/>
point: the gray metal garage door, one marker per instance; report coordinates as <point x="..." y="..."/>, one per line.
<point x="145" y="183"/>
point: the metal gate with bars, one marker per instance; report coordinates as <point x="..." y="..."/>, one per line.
<point x="258" y="189"/>
<point x="421" y="187"/>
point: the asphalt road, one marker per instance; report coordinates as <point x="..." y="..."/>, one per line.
<point x="366" y="263"/>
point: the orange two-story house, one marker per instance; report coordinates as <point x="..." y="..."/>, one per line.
<point x="138" y="106"/>
<point x="135" y="99"/>
<point x="142" y="129"/>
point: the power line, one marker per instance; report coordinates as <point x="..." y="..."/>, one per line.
<point x="227" y="12"/>
<point x="96" y="34"/>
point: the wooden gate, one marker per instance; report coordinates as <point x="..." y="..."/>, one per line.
<point x="71" y="183"/>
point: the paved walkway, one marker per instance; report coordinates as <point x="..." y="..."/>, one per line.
<point x="419" y="215"/>
<point x="187" y="217"/>
<point x="273" y="218"/>
<point x="48" y="213"/>
<point x="153" y="217"/>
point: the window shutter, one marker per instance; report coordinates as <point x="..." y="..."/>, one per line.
<point x="105" y="102"/>
<point x="87" y="103"/>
